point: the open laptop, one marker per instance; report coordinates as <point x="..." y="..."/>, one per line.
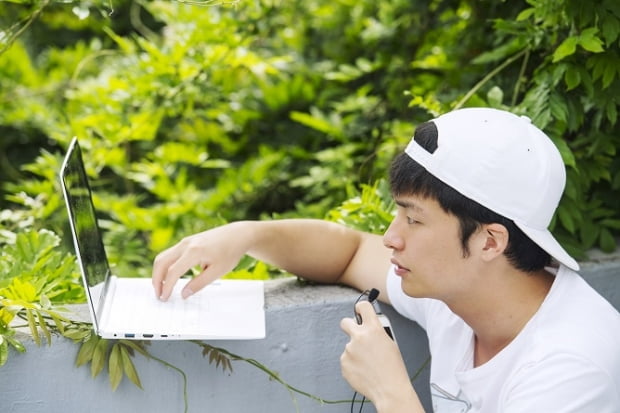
<point x="127" y="308"/>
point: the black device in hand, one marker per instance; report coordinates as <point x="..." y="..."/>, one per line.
<point x="371" y="296"/>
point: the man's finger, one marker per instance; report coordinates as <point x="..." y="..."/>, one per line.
<point x="160" y="268"/>
<point x="175" y="271"/>
<point x="348" y="325"/>
<point x="366" y="312"/>
<point x="206" y="277"/>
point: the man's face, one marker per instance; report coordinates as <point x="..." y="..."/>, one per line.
<point x="426" y="249"/>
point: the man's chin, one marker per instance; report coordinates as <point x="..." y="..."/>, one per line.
<point x="409" y="289"/>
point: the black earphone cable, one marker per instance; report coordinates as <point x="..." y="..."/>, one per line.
<point x="361" y="403"/>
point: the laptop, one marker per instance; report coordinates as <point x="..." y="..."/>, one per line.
<point x="126" y="307"/>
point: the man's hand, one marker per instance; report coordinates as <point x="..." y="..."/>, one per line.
<point x="216" y="252"/>
<point x="373" y="366"/>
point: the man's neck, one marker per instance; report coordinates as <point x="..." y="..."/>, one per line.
<point x="502" y="309"/>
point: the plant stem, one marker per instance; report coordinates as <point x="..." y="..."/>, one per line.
<point x="488" y="77"/>
<point x="181" y="372"/>
<point x="272" y="375"/>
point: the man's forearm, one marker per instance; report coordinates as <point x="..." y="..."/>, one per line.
<point x="313" y="249"/>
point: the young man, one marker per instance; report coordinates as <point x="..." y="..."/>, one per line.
<point x="511" y="326"/>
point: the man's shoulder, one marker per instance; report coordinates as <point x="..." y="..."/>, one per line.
<point x="576" y="320"/>
<point x="572" y="300"/>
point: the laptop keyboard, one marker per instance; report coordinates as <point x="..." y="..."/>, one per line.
<point x="136" y="308"/>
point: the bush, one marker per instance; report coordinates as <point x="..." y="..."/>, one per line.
<point x="191" y="116"/>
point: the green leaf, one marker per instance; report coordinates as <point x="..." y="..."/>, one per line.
<point x="610" y="28"/>
<point x="87" y="350"/>
<point x="77" y="334"/>
<point x="17" y="345"/>
<point x="612" y="112"/>
<point x="137" y="346"/>
<point x="565" y="49"/>
<point x="566" y="219"/>
<point x="572" y="77"/>
<point x="20" y="290"/>
<point x="567" y="154"/>
<point x="501" y="53"/>
<point x="609" y="74"/>
<point x="129" y="368"/>
<point x="33" y="327"/>
<point x="607" y="241"/>
<point x="558" y="107"/>
<point x="316" y="122"/>
<point x="43" y="326"/>
<point x="588" y="233"/>
<point x="99" y="356"/>
<point x="495" y="96"/>
<point x="126" y="45"/>
<point x="526" y="14"/>
<point x="115" y="366"/>
<point x="590" y="41"/>
<point x="57" y="322"/>
<point x="611" y="223"/>
<point x="45" y="302"/>
<point x="4" y="351"/>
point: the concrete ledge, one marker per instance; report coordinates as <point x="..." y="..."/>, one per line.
<point x="303" y="346"/>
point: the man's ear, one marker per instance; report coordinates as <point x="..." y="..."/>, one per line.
<point x="495" y="240"/>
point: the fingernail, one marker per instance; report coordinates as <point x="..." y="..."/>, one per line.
<point x="186" y="292"/>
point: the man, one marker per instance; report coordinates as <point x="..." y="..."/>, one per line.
<point x="511" y="326"/>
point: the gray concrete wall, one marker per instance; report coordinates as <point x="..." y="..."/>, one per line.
<point x="303" y="346"/>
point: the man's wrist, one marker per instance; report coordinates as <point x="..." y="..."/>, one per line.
<point x="404" y="401"/>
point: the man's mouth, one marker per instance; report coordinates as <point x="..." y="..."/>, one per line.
<point x="399" y="268"/>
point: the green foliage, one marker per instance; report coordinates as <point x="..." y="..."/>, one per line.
<point x="117" y="353"/>
<point x="35" y="278"/>
<point x="371" y="211"/>
<point x="572" y="80"/>
<point x="32" y="269"/>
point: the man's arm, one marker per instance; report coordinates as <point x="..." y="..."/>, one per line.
<point x="317" y="250"/>
<point x="324" y="252"/>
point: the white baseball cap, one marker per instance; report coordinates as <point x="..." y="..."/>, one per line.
<point x="503" y="162"/>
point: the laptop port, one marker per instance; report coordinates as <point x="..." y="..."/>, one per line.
<point x="128" y="335"/>
<point x="147" y="335"/>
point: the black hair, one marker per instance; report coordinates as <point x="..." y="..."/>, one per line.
<point x="407" y="177"/>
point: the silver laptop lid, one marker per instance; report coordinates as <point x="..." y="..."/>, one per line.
<point x="85" y="230"/>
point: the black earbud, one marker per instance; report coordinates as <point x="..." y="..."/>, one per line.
<point x="371" y="297"/>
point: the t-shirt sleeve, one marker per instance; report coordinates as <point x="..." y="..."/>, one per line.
<point x="562" y="383"/>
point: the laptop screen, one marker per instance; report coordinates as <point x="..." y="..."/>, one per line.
<point x="87" y="237"/>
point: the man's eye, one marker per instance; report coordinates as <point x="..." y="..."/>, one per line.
<point x="411" y="220"/>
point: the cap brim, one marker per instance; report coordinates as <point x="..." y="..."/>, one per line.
<point x="547" y="242"/>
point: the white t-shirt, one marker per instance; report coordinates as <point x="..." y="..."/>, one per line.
<point x="566" y="359"/>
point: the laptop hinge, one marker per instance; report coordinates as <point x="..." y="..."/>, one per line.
<point x="106" y="299"/>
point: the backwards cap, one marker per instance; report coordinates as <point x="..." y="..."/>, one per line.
<point x="503" y="162"/>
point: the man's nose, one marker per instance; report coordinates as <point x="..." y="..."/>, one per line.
<point x="391" y="238"/>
